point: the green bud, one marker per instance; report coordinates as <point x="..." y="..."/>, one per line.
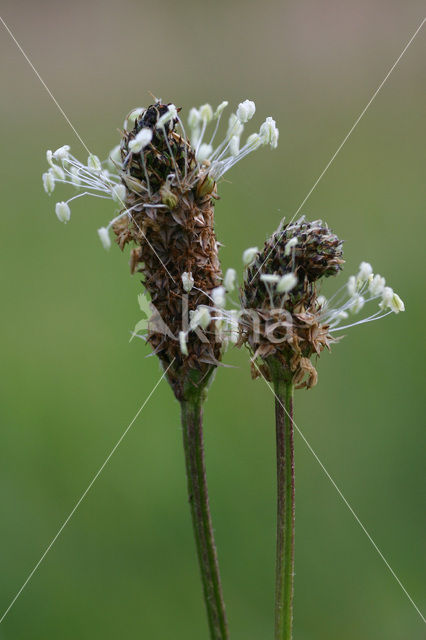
<point x="206" y="186"/>
<point x="168" y="198"/>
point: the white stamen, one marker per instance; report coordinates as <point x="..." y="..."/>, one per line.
<point x="170" y="114"/>
<point x="141" y="140"/>
<point x="129" y="122"/>
<point x="365" y="271"/>
<point x="269" y="278"/>
<point x="218" y="296"/>
<point x="206" y="113"/>
<point x="342" y="315"/>
<point x="119" y="193"/>
<point x="194" y="118"/>
<point x="220" y="109"/>
<point x="63" y="211"/>
<point x="269" y="132"/>
<point x="200" y="318"/>
<point x="229" y="279"/>
<point x="94" y="164"/>
<point x="58" y="171"/>
<point x="233" y="326"/>
<point x="104" y="237"/>
<point x="62" y="153"/>
<point x="249" y="255"/>
<point x="289" y="245"/>
<point x="183" y="343"/>
<point x="254" y="141"/>
<point x="376" y="284"/>
<point x="397" y="304"/>
<point x="287" y="282"/>
<point x="246" y="110"/>
<point x="204" y="152"/>
<point x="187" y="281"/>
<point x="352" y="285"/>
<point x="49" y="181"/>
<point x="387" y="296"/>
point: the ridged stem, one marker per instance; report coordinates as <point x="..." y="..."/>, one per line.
<point x="192" y="421"/>
<point x="284" y="580"/>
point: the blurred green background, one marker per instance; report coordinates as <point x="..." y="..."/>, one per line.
<point x="125" y="565"/>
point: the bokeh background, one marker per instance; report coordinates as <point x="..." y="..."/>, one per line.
<point x="125" y="565"/>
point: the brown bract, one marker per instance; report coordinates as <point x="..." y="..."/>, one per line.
<point x="169" y="240"/>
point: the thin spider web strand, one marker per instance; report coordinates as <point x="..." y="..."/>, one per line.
<point x="344" y="499"/>
<point x="68" y="121"/>
<point x="84" y="494"/>
<point x="333" y="157"/>
<point x="44" y="84"/>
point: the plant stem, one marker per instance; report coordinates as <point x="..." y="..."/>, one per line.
<point x="285" y="509"/>
<point x="192" y="424"/>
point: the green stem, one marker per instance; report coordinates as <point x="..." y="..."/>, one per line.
<point x="284" y="586"/>
<point x="192" y="421"/>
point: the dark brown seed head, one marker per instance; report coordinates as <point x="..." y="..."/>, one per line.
<point x="307" y="249"/>
<point x="171" y="225"/>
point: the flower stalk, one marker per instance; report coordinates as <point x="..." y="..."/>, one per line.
<point x="284" y="567"/>
<point x="192" y="427"/>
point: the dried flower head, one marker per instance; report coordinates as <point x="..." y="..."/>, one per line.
<point x="285" y="321"/>
<point x="165" y="183"/>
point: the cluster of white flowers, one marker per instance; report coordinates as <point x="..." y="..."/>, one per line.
<point x="225" y="321"/>
<point x="221" y="158"/>
<point x="249" y="255"/>
<point x="92" y="178"/>
<point x="274" y="283"/>
<point x="215" y="160"/>
<point x="360" y="289"/>
<point x="281" y="284"/>
<point x="350" y="299"/>
<point x="104" y="180"/>
<point x="95" y="178"/>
